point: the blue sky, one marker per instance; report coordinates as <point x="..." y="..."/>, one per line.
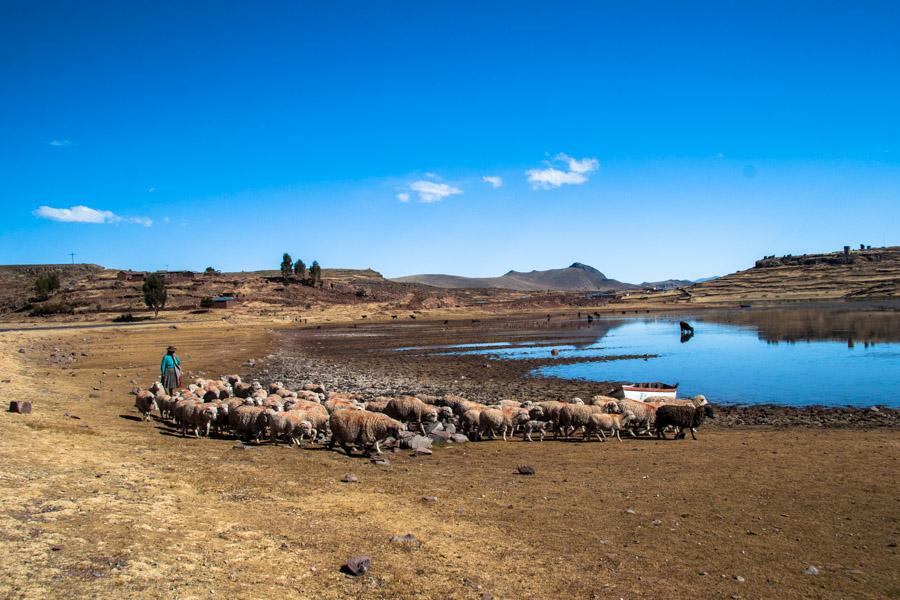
<point x="648" y="139"/>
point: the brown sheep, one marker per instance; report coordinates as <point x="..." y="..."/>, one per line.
<point x="598" y="422"/>
<point x="247" y="422"/>
<point x="335" y="404"/>
<point x="644" y="415"/>
<point x="362" y="428"/>
<point x="576" y="416"/>
<point x="145" y="402"/>
<point x="409" y="409"/>
<point x="504" y="419"/>
<point x="290" y="424"/>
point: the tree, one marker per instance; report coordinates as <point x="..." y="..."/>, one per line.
<point x="155" y="292"/>
<point x="315" y="272"/>
<point x="210" y="270"/>
<point x="46" y="284"/>
<point x="300" y="269"/>
<point x="287" y="266"/>
<point x="206" y="302"/>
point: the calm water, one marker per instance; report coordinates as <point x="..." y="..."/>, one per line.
<point x="794" y="359"/>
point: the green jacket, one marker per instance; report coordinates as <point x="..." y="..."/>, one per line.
<point x="169" y="361"/>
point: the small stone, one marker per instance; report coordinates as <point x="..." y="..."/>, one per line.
<point x="525" y="470"/>
<point x="630" y="511"/>
<point x="404" y="539"/>
<point x="56" y="548"/>
<point x="810" y="570"/>
<point x="381" y="461"/>
<point x="702" y="573"/>
<point x="429" y="499"/>
<point x="350" y="478"/>
<point x="459" y="438"/>
<point x="21" y="350"/>
<point x="487" y="596"/>
<point x="359" y="565"/>
<point x="655" y="522"/>
<point x="739" y="579"/>
<point x="422" y="452"/>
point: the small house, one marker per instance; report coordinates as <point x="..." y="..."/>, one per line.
<point x="224" y="302"/>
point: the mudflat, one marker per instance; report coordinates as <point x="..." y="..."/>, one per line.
<point x="95" y="502"/>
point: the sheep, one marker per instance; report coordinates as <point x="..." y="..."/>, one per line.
<point x="458" y="404"/>
<point x="335" y="404"/>
<point x="600" y="421"/>
<point x="600" y="400"/>
<point x="247" y="422"/>
<point x="469" y="422"/>
<point x="576" y="416"/>
<point x="290" y="424"/>
<point x="409" y="409"/>
<point x="378" y="404"/>
<point x="315" y="414"/>
<point x="532" y="426"/>
<point x="504" y="419"/>
<point x="657" y="401"/>
<point x="362" y="428"/>
<point x="156" y="388"/>
<point x="242" y="390"/>
<point x="644" y="415"/>
<point x="145" y="402"/>
<point x="198" y="415"/>
<point x="682" y="417"/>
<point x="165" y="404"/>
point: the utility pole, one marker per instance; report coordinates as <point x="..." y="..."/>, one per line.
<point x="73" y="255"/>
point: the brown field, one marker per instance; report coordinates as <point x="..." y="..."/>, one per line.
<point x="103" y="505"/>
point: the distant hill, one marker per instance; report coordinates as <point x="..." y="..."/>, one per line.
<point x="575" y="277"/>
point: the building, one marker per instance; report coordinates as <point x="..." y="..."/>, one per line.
<point x="224" y="302"/>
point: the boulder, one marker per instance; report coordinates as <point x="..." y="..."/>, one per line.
<point x="359" y="565"/>
<point x="417" y="442"/>
<point x="22" y="407"/>
<point x="439" y="437"/>
<point x="459" y="438"/>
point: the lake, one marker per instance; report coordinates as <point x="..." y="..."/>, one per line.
<point x="794" y="357"/>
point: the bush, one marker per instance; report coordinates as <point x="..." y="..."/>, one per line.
<point x="57" y="308"/>
<point x="206" y="302"/>
<point x="46" y="284"/>
<point x="155" y="292"/>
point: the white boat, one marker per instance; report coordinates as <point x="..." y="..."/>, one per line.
<point x="643" y="391"/>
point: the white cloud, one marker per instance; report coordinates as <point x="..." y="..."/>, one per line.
<point x="494" y="180"/>
<point x="151" y="190"/>
<point x="430" y="191"/>
<point x="403" y="197"/>
<point x="552" y="177"/>
<point x="433" y="176"/>
<point x="84" y="214"/>
<point x="585" y="165"/>
<point x="60" y="143"/>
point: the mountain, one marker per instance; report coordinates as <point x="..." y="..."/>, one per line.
<point x="575" y="277"/>
<point x="668" y="284"/>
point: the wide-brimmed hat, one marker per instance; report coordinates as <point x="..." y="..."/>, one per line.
<point x="170" y="349"/>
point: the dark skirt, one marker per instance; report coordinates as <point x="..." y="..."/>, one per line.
<point x="170" y="380"/>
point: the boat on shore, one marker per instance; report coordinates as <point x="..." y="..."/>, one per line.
<point x="642" y="391"/>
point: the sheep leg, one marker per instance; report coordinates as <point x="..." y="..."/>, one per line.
<point x="660" y="433"/>
<point x="616" y="431"/>
<point x="602" y="435"/>
<point x="528" y="436"/>
<point x="542" y="435"/>
<point x="504" y="433"/>
<point x="377" y="447"/>
<point x="693" y="433"/>
<point x="346" y="449"/>
<point x="422" y="428"/>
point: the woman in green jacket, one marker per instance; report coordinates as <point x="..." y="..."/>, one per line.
<point x="170" y="370"/>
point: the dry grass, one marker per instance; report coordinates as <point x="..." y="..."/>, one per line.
<point x="133" y="511"/>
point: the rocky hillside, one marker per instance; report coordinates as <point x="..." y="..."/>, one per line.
<point x="872" y="273"/>
<point x="575" y="277"/>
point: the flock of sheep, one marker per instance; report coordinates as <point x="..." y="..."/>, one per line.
<point x="252" y="412"/>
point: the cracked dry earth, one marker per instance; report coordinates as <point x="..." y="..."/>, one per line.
<point x="104" y="505"/>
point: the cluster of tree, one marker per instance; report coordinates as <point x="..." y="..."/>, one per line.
<point x="307" y="276"/>
<point x="45" y="285"/>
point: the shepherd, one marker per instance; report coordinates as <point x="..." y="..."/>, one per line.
<point x="170" y="370"/>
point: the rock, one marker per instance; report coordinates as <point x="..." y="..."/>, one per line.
<point x="459" y="438"/>
<point x="429" y="499"/>
<point x="810" y="570"/>
<point x="655" y="522"/>
<point x="381" y="461"/>
<point x="525" y="470"/>
<point x="56" y="548"/>
<point x="21" y="407"/>
<point x="422" y="452"/>
<point x="359" y="565"/>
<point x="135" y="391"/>
<point x="250" y="363"/>
<point x="405" y="435"/>
<point x="554" y="352"/>
<point x="404" y="539"/>
<point x="487" y="596"/>
<point x="433" y="427"/>
<point x="417" y="442"/>
<point x="21" y="350"/>
<point x="739" y="579"/>
<point x="439" y="437"/>
<point x="450" y="428"/>
<point x="630" y="511"/>
<point x="350" y="478"/>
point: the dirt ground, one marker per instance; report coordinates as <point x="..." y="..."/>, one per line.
<point x="96" y="503"/>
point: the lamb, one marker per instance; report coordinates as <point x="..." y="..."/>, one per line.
<point x="145" y="402"/>
<point x="536" y="426"/>
<point x="362" y="428"/>
<point x="165" y="404"/>
<point x="409" y="409"/>
<point x="290" y="424"/>
<point x="600" y="421"/>
<point x="682" y="417"/>
<point x="469" y="423"/>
